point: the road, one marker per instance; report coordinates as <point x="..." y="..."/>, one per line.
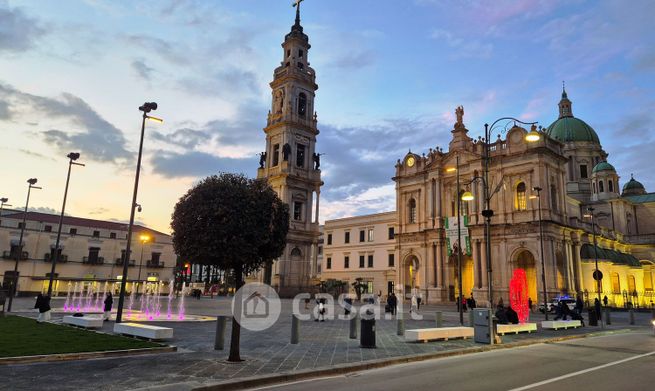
<point x="611" y="362"/>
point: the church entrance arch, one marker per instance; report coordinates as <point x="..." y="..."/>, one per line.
<point x="524" y="259"/>
<point x="411" y="272"/>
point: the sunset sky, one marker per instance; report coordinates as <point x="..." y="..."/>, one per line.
<point x="390" y="74"/>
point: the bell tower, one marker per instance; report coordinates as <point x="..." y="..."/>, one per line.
<point x="291" y="164"/>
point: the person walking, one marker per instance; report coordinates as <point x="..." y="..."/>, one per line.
<point x="605" y="301"/>
<point x="43" y="305"/>
<point x="597" y="307"/>
<point x="109" y="301"/>
<point x="392" y="301"/>
<point x="579" y="305"/>
<point x="530" y="304"/>
<point x="472" y="304"/>
<point x="419" y="299"/>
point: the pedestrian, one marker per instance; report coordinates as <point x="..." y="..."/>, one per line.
<point x="501" y="315"/>
<point x="419" y="299"/>
<point x="530" y="304"/>
<point x="321" y="310"/>
<point x="500" y="302"/>
<point x="597" y="307"/>
<point x="579" y="305"/>
<point x="463" y="300"/>
<point x="605" y="301"/>
<point x="109" y="301"/>
<point x="392" y="302"/>
<point x="559" y="310"/>
<point x="472" y="303"/>
<point x="43" y="305"/>
<point x="512" y="316"/>
<point x="413" y="307"/>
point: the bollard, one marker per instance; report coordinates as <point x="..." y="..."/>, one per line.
<point x="608" y="318"/>
<point x="471" y="318"/>
<point x="632" y="315"/>
<point x="219" y="341"/>
<point x="295" y="329"/>
<point x="353" y="327"/>
<point x="438" y="317"/>
<point x="400" y="326"/>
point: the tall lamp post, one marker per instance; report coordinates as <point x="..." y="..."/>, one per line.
<point x="459" y="297"/>
<point x="19" y="253"/>
<point x="598" y="276"/>
<point x="487" y="213"/>
<point x="541" y="243"/>
<point x="71" y="161"/>
<point x="145" y="108"/>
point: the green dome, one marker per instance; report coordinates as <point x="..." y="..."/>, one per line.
<point x="634" y="186"/>
<point x="604" y="166"/>
<point x="568" y="129"/>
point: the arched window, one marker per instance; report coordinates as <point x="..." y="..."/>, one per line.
<point x="594" y="185"/>
<point x="648" y="280"/>
<point x="302" y="104"/>
<point x="521" y="203"/>
<point x="412" y="211"/>
<point x="616" y="283"/>
<point x="632" y="286"/>
<point x="610" y="186"/>
<point x="553" y="197"/>
<point x="601" y="188"/>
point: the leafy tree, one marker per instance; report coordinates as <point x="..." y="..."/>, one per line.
<point x="234" y="223"/>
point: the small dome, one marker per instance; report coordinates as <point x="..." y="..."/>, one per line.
<point x="633" y="187"/>
<point x="603" y="166"/>
<point x="571" y="129"/>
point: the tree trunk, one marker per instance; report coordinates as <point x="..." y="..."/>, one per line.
<point x="236" y="327"/>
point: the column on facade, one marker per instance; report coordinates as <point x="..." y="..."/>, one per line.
<point x="569" y="264"/>
<point x="318" y="196"/>
<point x="428" y="201"/>
<point x="483" y="266"/>
<point x="439" y="265"/>
<point x="476" y="263"/>
<point x="578" y="267"/>
<point x="553" y="259"/>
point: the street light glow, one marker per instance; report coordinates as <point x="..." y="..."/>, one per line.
<point x="451" y="169"/>
<point x="154" y="119"/>
<point x="532" y="136"/>
<point x="144" y="238"/>
<point x="467" y="196"/>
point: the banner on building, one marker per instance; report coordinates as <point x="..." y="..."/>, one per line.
<point x="450" y="224"/>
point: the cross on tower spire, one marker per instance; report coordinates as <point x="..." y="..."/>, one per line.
<point x="297" y="5"/>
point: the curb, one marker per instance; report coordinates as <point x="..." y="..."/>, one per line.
<point x="84" y="355"/>
<point x="341" y="369"/>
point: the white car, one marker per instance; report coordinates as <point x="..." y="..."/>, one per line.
<point x="552" y="305"/>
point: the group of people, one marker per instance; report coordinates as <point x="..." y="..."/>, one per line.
<point x="43" y="305"/>
<point x="466" y="303"/>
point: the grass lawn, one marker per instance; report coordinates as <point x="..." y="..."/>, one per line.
<point x="21" y="336"/>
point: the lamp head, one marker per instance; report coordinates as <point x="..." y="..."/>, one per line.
<point x="138" y="207"/>
<point x="537" y="189"/>
<point x="73" y="156"/>
<point x="148" y="107"/>
<point x="4" y="199"/>
<point x="32" y="181"/>
<point x="467" y="196"/>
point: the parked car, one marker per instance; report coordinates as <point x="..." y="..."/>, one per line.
<point x="552" y="305"/>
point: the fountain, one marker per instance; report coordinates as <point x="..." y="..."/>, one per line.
<point x="135" y="285"/>
<point x="180" y="305"/>
<point x="68" y="297"/>
<point x="171" y="288"/>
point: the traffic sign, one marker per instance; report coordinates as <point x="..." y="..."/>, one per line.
<point x="598" y="275"/>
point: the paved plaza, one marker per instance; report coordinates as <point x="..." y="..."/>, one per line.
<point x="322" y="344"/>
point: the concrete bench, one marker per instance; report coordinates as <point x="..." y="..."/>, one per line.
<point x="88" y="322"/>
<point x="503" y="329"/>
<point x="143" y="331"/>
<point x="444" y="333"/>
<point x="560" y="324"/>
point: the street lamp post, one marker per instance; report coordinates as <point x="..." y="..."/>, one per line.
<point x="71" y="161"/>
<point x="597" y="275"/>
<point x="19" y="253"/>
<point x="3" y="202"/>
<point x="145" y="108"/>
<point x="487" y="213"/>
<point x="541" y="242"/>
<point x="459" y="250"/>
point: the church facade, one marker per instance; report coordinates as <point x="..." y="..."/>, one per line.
<point x="579" y="199"/>
<point x="291" y="164"/>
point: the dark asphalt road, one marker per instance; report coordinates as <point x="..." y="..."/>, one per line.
<point x="614" y="362"/>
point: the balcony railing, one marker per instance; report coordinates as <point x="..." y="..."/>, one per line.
<point x="12" y="255"/>
<point x="97" y="261"/>
<point x="150" y="263"/>
<point x="62" y="258"/>
<point x="119" y="262"/>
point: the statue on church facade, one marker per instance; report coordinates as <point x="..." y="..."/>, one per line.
<point x="317" y="161"/>
<point x="286" y="151"/>
<point x="262" y="159"/>
<point x="459" y="112"/>
<point x="278" y="101"/>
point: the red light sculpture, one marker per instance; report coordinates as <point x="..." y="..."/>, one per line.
<point x="518" y="295"/>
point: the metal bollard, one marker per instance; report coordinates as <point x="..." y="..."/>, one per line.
<point x="353" y="327"/>
<point x="608" y="318"/>
<point x="219" y="341"/>
<point x="400" y="326"/>
<point x="471" y="318"/>
<point x="632" y="316"/>
<point x="438" y="318"/>
<point x="295" y="329"/>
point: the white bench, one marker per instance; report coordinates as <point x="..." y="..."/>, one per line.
<point x="89" y="322"/>
<point x="444" y="333"/>
<point x="503" y="329"/>
<point x="560" y="324"/>
<point x="143" y="331"/>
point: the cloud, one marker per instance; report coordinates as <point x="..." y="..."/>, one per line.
<point x="199" y="164"/>
<point x="37" y="155"/>
<point x="167" y="50"/>
<point x="5" y="113"/>
<point x="225" y="83"/>
<point x="90" y="134"/>
<point x="354" y="59"/>
<point x="463" y="48"/>
<point x="18" y="32"/>
<point x="99" y="211"/>
<point x="142" y="70"/>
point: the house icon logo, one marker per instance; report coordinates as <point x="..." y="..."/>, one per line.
<point x="256" y="306"/>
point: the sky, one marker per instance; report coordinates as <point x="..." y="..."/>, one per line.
<point x="390" y="75"/>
